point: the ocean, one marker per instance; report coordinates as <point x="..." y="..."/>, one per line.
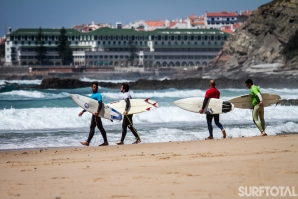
<point x="33" y="118"/>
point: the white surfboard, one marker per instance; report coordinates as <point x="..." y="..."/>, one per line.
<point x="214" y="106"/>
<point x="91" y="106"/>
<point x="244" y="101"/>
<point x="136" y="105"/>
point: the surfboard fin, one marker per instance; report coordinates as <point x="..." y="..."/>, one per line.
<point x="147" y="100"/>
<point x="154" y="104"/>
<point x="148" y="109"/>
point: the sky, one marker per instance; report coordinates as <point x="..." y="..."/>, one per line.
<point x="67" y="13"/>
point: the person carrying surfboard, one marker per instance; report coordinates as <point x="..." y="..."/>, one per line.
<point x="258" y="108"/>
<point x="95" y="120"/>
<point x="127" y="120"/>
<point x="212" y="92"/>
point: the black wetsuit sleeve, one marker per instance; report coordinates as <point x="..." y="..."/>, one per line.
<point x="205" y="103"/>
<point x="83" y="111"/>
<point x="127" y="104"/>
<point x="99" y="106"/>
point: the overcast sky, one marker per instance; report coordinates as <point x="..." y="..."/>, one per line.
<point x="67" y="13"/>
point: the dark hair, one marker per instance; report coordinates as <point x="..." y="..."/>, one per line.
<point x="96" y="83"/>
<point x="249" y="81"/>
<point x="125" y="87"/>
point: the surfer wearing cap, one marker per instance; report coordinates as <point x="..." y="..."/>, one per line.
<point x="258" y="108"/>
<point x="95" y="120"/>
<point x="212" y="92"/>
<point x="127" y="120"/>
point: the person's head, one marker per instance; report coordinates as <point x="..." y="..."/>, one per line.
<point x="124" y="88"/>
<point x="212" y="83"/>
<point x="94" y="86"/>
<point x="248" y="83"/>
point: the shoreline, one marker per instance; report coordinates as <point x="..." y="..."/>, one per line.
<point x="81" y="146"/>
<point x="188" y="169"/>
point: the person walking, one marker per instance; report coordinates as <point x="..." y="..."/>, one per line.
<point x="212" y="92"/>
<point x="95" y="120"/>
<point x="127" y="120"/>
<point x="258" y="108"/>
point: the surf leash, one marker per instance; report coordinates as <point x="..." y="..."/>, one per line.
<point x="133" y="127"/>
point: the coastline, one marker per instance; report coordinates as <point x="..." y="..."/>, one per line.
<point x="190" y="169"/>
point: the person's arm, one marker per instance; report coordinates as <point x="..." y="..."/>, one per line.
<point x="205" y="102"/>
<point x="260" y="98"/>
<point x="99" y="99"/>
<point x="99" y="106"/>
<point x="126" y="106"/>
<point x="81" y="113"/>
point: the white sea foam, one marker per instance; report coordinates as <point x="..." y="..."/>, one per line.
<point x="85" y="79"/>
<point x="24" y="94"/>
<point x="59" y="118"/>
<point x="2" y="82"/>
<point x="158" y="94"/>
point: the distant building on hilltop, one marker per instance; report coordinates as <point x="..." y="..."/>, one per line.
<point x="90" y="27"/>
<point x="215" y="20"/>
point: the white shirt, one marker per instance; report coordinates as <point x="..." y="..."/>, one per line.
<point x="126" y="95"/>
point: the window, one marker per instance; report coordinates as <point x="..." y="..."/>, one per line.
<point x="16" y="43"/>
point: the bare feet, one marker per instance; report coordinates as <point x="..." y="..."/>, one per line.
<point x="104" y="144"/>
<point x="120" y="143"/>
<point x="85" y="143"/>
<point x="209" y="138"/>
<point x="264" y="134"/>
<point x="137" y="141"/>
<point x="224" y="135"/>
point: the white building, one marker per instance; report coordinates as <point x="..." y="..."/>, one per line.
<point x="106" y="46"/>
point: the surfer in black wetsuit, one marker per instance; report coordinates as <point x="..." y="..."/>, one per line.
<point x="127" y="120"/>
<point x="95" y="120"/>
<point x="212" y="92"/>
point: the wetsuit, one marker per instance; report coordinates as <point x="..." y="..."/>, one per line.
<point x="258" y="111"/>
<point x="96" y="121"/>
<point x="127" y="119"/>
<point x="212" y="93"/>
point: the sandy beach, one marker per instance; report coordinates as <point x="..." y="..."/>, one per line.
<point x="194" y="169"/>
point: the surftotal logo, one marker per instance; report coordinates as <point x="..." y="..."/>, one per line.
<point x="253" y="191"/>
<point x="86" y="105"/>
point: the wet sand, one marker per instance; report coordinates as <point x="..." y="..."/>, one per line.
<point x="194" y="169"/>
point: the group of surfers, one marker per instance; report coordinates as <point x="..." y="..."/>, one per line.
<point x="212" y="92"/>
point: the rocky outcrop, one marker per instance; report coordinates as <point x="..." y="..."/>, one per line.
<point x="190" y="83"/>
<point x="62" y="83"/>
<point x="269" y="36"/>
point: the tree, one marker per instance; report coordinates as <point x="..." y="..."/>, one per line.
<point x="132" y="51"/>
<point x="64" y="50"/>
<point x="40" y="49"/>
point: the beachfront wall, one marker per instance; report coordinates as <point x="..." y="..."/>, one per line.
<point x="110" y="47"/>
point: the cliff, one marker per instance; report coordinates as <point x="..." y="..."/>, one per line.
<point x="269" y="39"/>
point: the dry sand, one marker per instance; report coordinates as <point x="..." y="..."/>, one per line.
<point x="195" y="169"/>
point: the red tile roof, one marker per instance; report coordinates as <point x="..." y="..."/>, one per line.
<point x="222" y="14"/>
<point x="227" y="31"/>
<point x="155" y="23"/>
<point x="236" y="25"/>
<point x="2" y="40"/>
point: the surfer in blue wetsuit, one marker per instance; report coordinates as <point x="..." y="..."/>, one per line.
<point x="127" y="120"/>
<point x="212" y="92"/>
<point x="95" y="120"/>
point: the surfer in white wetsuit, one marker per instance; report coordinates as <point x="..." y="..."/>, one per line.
<point x="127" y="120"/>
<point x="95" y="120"/>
